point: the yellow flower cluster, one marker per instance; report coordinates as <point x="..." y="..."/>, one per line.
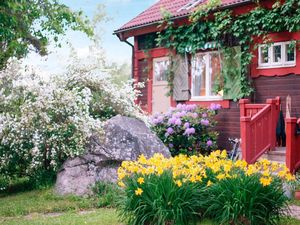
<point x="200" y="168"/>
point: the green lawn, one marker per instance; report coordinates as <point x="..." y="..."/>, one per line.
<point x="41" y="201"/>
<point x="295" y="202"/>
<point x="99" y="216"/>
<point x="44" y="207"/>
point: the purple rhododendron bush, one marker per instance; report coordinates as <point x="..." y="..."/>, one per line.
<point x="187" y="129"/>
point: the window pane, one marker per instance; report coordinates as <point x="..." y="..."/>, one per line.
<point x="290" y="53"/>
<point x="277" y="53"/>
<point x="161" y="70"/>
<point x="199" y="75"/>
<point x="264" y="57"/>
<point x="215" y="71"/>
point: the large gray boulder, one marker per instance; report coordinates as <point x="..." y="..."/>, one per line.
<point x="125" y="139"/>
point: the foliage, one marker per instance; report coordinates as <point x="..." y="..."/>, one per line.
<point x="157" y="200"/>
<point x="244" y="200"/>
<point x="173" y="190"/>
<point x="108" y="194"/>
<point x="186" y="129"/>
<point x="31" y="24"/>
<point x="228" y="29"/>
<point x="45" y="121"/>
<point x="3" y="183"/>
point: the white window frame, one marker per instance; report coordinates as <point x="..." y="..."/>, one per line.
<point x="271" y="63"/>
<point x="207" y="96"/>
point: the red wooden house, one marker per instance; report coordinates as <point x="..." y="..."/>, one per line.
<point x="275" y="72"/>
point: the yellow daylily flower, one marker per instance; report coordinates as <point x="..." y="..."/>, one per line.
<point x="265" y="181"/>
<point x="138" y="191"/>
<point x="140" y="180"/>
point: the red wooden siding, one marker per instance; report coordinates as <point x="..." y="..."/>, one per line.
<point x="228" y="125"/>
<point x="270" y="87"/>
<point x="143" y="77"/>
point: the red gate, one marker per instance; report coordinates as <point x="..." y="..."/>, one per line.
<point x="258" y="127"/>
<point x="292" y="144"/>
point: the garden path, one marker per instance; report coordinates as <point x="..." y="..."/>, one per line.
<point x="295" y="211"/>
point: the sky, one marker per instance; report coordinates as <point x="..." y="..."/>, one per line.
<point x="119" y="12"/>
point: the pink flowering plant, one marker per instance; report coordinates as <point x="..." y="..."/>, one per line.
<point x="187" y="129"/>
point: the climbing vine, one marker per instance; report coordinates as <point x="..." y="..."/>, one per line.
<point x="211" y="24"/>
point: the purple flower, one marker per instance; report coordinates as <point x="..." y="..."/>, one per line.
<point x="194" y="115"/>
<point x="204" y="115"/>
<point x="168" y="114"/>
<point x="170" y="130"/>
<point x="160" y="119"/>
<point x="171" y="145"/>
<point x="209" y="143"/>
<point x="177" y="115"/>
<point x="189" y="131"/>
<point x="190" y="107"/>
<point x="172" y="120"/>
<point x="214" y="106"/>
<point x="204" y="122"/>
<point x="183" y="113"/>
<point x="186" y="125"/>
<point x="178" y="122"/>
<point x="179" y="106"/>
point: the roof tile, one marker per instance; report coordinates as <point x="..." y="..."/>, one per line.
<point x="153" y="14"/>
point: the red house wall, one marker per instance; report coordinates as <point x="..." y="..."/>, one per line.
<point x="268" y="83"/>
<point x="277" y="37"/>
<point x="282" y="86"/>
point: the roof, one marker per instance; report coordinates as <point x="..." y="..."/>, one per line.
<point x="175" y="7"/>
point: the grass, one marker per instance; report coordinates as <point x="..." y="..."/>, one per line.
<point x="44" y="207"/>
<point x="100" y="216"/>
<point x="41" y="201"/>
<point x="295" y="202"/>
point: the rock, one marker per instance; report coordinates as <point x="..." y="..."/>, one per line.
<point x="125" y="139"/>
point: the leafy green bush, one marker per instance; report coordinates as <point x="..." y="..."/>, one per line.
<point x="182" y="189"/>
<point x="3" y="184"/>
<point x="157" y="200"/>
<point x="187" y="129"/>
<point x="108" y="194"/>
<point x="244" y="200"/>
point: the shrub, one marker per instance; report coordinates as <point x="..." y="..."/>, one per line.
<point x="179" y="190"/>
<point x="244" y="200"/>
<point x="43" y="122"/>
<point x="157" y="200"/>
<point x="187" y="129"/>
<point x="3" y="184"/>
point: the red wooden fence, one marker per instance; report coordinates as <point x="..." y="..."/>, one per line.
<point x="258" y="127"/>
<point x="292" y="144"/>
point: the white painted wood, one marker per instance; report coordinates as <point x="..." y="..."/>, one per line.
<point x="160" y="101"/>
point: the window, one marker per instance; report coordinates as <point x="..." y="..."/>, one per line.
<point x="280" y="54"/>
<point x="206" y="71"/>
<point x="160" y="69"/>
<point x="190" y="5"/>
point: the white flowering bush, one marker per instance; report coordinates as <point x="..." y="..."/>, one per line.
<point x="44" y="121"/>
